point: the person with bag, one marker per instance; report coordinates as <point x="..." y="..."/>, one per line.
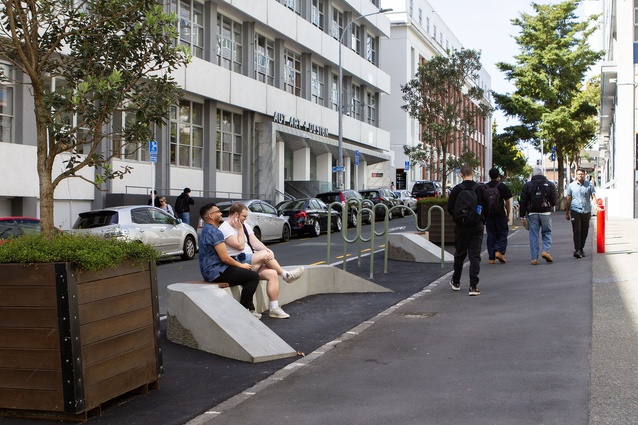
<point x="469" y="205"/>
<point x="496" y="224"/>
<point x="580" y="194"/>
<point x="538" y="197"/>
<point x="183" y="206"/>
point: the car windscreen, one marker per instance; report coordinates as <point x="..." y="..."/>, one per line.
<point x="329" y="198"/>
<point x="293" y="205"/>
<point x="89" y="220"/>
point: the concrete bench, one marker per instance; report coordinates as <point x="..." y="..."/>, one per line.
<point x="208" y="317"/>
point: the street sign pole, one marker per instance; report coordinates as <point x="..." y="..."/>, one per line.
<point x="152" y="150"/>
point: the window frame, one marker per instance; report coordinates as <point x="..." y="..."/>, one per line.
<point x="7" y="103"/>
<point x="267" y="52"/>
<point x="194" y="22"/>
<point x="182" y="124"/>
<point x="229" y="39"/>
<point x="233" y="147"/>
<point x="292" y="75"/>
<point x="317" y="85"/>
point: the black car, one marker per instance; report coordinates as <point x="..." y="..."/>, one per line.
<point x="426" y="189"/>
<point x="353" y="199"/>
<point x="382" y="197"/>
<point x="309" y="215"/>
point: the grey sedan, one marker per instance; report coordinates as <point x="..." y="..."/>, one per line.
<point x="144" y="223"/>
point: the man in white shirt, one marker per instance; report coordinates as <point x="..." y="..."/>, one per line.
<point x="245" y="247"/>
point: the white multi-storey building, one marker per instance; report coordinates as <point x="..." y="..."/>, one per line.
<point x="619" y="112"/>
<point x="259" y="117"/>
<point x="417" y="34"/>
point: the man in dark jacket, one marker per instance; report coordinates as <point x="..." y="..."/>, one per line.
<point x="496" y="225"/>
<point x="538" y="197"/>
<point x="183" y="206"/>
<point x="468" y="238"/>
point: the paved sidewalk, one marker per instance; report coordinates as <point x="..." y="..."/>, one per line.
<point x="517" y="354"/>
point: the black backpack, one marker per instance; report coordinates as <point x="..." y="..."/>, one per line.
<point x="538" y="201"/>
<point x="465" y="206"/>
<point x="494" y="196"/>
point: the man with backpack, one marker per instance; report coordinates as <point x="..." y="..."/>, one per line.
<point x="538" y="197"/>
<point x="496" y="224"/>
<point x="469" y="205"/>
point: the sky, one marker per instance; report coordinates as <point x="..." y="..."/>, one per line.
<point x="485" y="25"/>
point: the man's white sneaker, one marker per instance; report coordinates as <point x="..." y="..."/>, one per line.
<point x="278" y="313"/>
<point x="257" y="315"/>
<point x="292" y="275"/>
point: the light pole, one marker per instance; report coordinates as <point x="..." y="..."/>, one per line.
<point x="340" y="169"/>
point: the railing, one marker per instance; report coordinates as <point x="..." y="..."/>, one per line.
<point x="145" y="190"/>
<point x="359" y="238"/>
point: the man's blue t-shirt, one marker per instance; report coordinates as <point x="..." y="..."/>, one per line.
<point x="581" y="196"/>
<point x="210" y="265"/>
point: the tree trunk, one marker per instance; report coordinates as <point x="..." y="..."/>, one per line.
<point x="45" y="158"/>
<point x="561" y="178"/>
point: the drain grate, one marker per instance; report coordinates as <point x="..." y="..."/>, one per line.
<point x="424" y="315"/>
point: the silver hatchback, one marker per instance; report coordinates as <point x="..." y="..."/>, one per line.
<point x="144" y="223"/>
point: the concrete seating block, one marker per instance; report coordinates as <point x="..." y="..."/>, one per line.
<point x="414" y="247"/>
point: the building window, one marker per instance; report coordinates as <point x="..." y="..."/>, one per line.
<point x="316" y="14"/>
<point x="187" y="134"/>
<point x="337" y="23"/>
<point x="356" y="38"/>
<point x="334" y="90"/>
<point x="434" y="33"/>
<point x="292" y="72"/>
<point x="190" y="25"/>
<point x="356" y="103"/>
<point x="73" y="123"/>
<point x="411" y="7"/>
<point x="427" y="24"/>
<point x="229" y="141"/>
<point x="229" y="44"/>
<point x="447" y="44"/>
<point x="441" y="38"/>
<point x="131" y="151"/>
<point x="317" y="84"/>
<point x="371" y="103"/>
<point x="294" y="5"/>
<point x="420" y="17"/>
<point x="6" y="104"/>
<point x="371" y="49"/>
<point x="264" y="59"/>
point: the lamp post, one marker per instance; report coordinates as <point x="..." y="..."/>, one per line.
<point x="340" y="169"/>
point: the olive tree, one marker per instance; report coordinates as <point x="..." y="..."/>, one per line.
<point x="85" y="61"/>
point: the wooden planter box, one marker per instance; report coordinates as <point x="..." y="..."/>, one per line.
<point x="71" y="340"/>
<point x="435" y="229"/>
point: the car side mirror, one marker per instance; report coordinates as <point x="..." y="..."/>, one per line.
<point x="178" y="221"/>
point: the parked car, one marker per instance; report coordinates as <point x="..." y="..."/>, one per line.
<point x="353" y="199"/>
<point x="309" y="215"/>
<point x="406" y="198"/>
<point x="382" y="197"/>
<point x="426" y="189"/>
<point x="13" y="227"/>
<point x="267" y="223"/>
<point x="143" y="223"/>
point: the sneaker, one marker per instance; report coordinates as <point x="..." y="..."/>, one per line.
<point x="547" y="257"/>
<point x="257" y="315"/>
<point x="500" y="257"/>
<point x="582" y="253"/>
<point x="534" y="262"/>
<point x="292" y="275"/>
<point x="455" y="286"/>
<point x="474" y="291"/>
<point x="577" y="254"/>
<point x="278" y="313"/>
<point x="492" y="261"/>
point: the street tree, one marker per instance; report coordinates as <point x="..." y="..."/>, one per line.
<point x="506" y="154"/>
<point x="447" y="103"/>
<point x="548" y="76"/>
<point x="86" y="62"/>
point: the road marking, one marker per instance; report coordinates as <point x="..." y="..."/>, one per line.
<point x="318" y="263"/>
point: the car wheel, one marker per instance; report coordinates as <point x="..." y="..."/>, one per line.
<point x="390" y="215"/>
<point x="285" y="233"/>
<point x="353" y="218"/>
<point x="338" y="224"/>
<point x="257" y="233"/>
<point x="401" y="212"/>
<point x="316" y="229"/>
<point x="189" y="248"/>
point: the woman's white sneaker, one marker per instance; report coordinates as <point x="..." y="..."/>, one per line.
<point x="278" y="313"/>
<point x="292" y="275"/>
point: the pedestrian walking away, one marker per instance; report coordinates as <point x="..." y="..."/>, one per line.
<point x="216" y="265"/>
<point x="496" y="223"/>
<point x="245" y="247"/>
<point x="183" y="206"/>
<point x="468" y="205"/>
<point x="580" y="193"/>
<point x="538" y="197"/>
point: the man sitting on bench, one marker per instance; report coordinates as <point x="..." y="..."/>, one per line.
<point x="244" y="246"/>
<point x="216" y="265"/>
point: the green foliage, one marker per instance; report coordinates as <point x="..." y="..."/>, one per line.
<point x="506" y="155"/>
<point x="89" y="252"/>
<point x="442" y="202"/>
<point x="548" y="75"/>
<point x="515" y="184"/>
<point x="99" y="72"/>
<point x="438" y="98"/>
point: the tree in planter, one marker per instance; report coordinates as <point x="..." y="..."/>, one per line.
<point x="445" y="100"/>
<point x="506" y="155"/>
<point x="86" y="62"/>
<point x="548" y="75"/>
